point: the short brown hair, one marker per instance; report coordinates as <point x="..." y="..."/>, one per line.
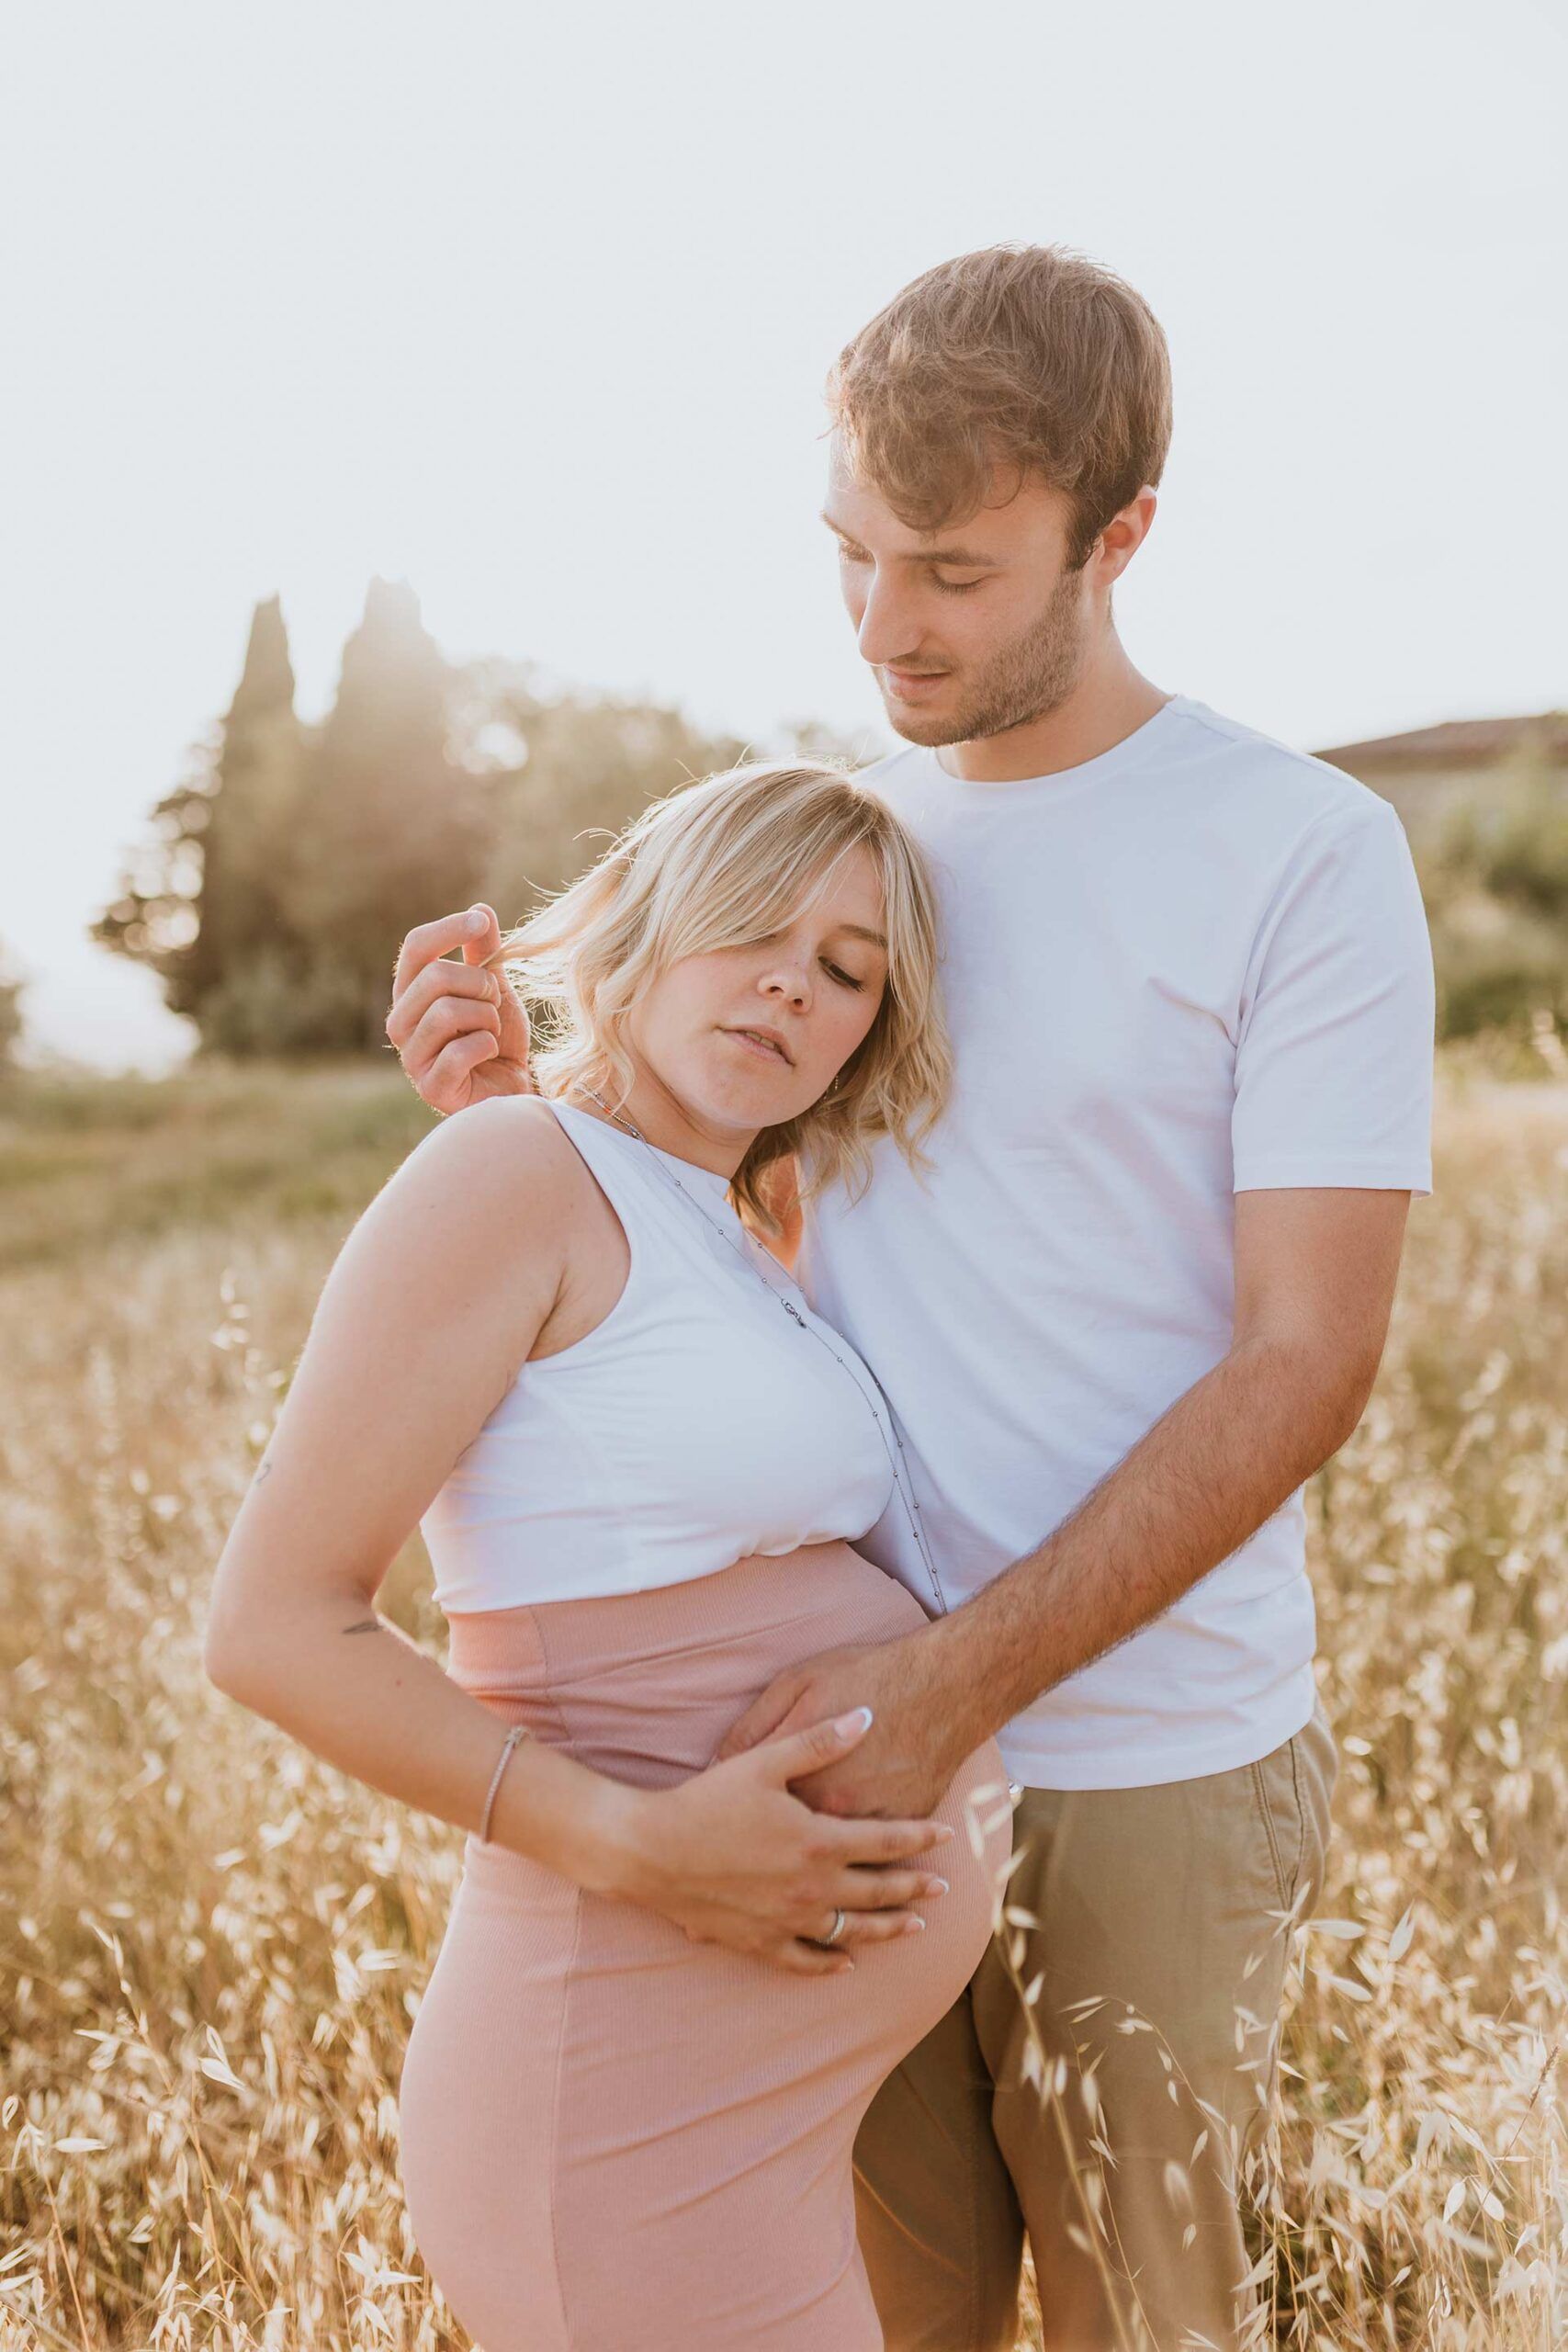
<point x="1026" y="357"/>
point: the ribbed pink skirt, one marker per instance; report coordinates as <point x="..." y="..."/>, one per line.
<point x="614" y="2139"/>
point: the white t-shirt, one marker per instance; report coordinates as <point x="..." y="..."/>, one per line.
<point x="1195" y="966"/>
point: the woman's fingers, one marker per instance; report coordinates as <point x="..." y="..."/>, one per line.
<point x="796" y="1753"/>
<point x="804" y="1960"/>
<point x="447" y="1005"/>
<point x="863" y="1891"/>
<point x="882" y="1841"/>
<point x="445" y="1084"/>
<point x="879" y="1928"/>
<point x="515" y="1039"/>
<point x="478" y="944"/>
<point x="449" y="1017"/>
<point x="429" y="940"/>
<point x="437" y="980"/>
<point x="763" y="1720"/>
<point x="811" y="1958"/>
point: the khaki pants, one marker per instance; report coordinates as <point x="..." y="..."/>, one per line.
<point x="1161" y="1954"/>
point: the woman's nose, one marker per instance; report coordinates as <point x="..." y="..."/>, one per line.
<point x="790" y="981"/>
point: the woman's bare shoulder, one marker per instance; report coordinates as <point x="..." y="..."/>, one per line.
<point x="497" y="1141"/>
<point x="499" y="1177"/>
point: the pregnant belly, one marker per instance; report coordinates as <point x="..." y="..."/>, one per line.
<point x="576" y="2058"/>
<point x="643" y="1686"/>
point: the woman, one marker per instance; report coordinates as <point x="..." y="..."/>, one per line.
<point x="667" y="1988"/>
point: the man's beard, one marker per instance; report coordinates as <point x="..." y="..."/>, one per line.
<point x="1026" y="679"/>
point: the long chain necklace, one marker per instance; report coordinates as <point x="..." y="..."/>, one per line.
<point x="902" y="1482"/>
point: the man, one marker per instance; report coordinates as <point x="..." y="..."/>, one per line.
<point x="1141" y="1298"/>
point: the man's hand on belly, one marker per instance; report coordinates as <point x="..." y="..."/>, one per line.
<point x="917" y="1741"/>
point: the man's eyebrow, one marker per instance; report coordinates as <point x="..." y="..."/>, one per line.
<point x="968" y="558"/>
<point x="971" y="558"/>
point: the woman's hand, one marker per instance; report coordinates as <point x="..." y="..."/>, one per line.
<point x="735" y="1860"/>
<point x="925" y="1721"/>
<point x="461" y="1035"/>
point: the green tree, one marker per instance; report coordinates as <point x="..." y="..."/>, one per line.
<point x="1496" y="887"/>
<point x="580" y="766"/>
<point x="204" y="901"/>
<point x="389" y="826"/>
<point x="11" y="987"/>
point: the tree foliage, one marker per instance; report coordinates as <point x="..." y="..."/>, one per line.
<point x="1496" y="883"/>
<point x="11" y="987"/>
<point x="280" y="877"/>
<point x="206" y="896"/>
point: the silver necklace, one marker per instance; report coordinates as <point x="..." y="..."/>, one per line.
<point x="902" y="1482"/>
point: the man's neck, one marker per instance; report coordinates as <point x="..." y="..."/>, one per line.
<point x="1110" y="701"/>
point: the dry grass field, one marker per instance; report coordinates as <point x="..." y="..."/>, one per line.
<point x="212" y="1945"/>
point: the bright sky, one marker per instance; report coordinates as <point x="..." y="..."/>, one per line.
<point x="532" y="307"/>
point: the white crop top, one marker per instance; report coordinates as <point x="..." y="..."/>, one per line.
<point x="696" y="1425"/>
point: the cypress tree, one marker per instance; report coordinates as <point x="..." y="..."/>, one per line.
<point x="247" y="843"/>
<point x="204" y="905"/>
<point x="389" y="826"/>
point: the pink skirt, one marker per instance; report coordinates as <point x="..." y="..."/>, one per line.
<point x="614" y="2139"/>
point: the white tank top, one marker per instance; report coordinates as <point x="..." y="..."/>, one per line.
<point x="696" y="1425"/>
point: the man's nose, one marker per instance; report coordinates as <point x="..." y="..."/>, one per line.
<point x="888" y="631"/>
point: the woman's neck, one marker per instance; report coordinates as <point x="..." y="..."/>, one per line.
<point x="667" y="1124"/>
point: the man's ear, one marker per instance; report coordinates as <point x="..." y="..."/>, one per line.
<point x="1125" y="534"/>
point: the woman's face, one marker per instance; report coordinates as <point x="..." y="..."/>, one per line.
<point x="747" y="1038"/>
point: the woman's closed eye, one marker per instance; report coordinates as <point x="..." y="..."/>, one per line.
<point x="834" y="972"/>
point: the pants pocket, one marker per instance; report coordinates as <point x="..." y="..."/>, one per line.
<point x="1275" y="1798"/>
<point x="1314" y="1763"/>
<point x="1293" y="1787"/>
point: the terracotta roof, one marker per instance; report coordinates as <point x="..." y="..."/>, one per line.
<point x="1457" y="743"/>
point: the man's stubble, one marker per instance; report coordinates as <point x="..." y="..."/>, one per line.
<point x="1022" y="682"/>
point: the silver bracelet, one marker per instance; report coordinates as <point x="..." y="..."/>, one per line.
<point x="518" y="1731"/>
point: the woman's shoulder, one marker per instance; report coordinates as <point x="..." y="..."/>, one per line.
<point x="500" y="1166"/>
<point x="494" y="1141"/>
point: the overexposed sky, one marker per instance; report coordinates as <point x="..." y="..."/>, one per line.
<point x="532" y="307"/>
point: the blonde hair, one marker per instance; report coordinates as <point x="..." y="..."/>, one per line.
<point x="1033" y="357"/>
<point x="713" y="865"/>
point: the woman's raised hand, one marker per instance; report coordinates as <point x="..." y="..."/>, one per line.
<point x="735" y="1860"/>
<point x="460" y="1031"/>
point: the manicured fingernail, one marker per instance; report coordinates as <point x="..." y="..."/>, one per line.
<point x="476" y="922"/>
<point x="936" y="1886"/>
<point x="914" y="1925"/>
<point x="944" y="1831"/>
<point x="858" y="1719"/>
<point x="843" y="1968"/>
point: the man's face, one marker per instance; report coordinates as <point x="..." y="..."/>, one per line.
<point x="970" y="630"/>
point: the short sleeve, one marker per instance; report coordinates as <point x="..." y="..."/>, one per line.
<point x="1334" y="1056"/>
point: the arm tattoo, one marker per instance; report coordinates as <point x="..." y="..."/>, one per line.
<point x="367" y="1625"/>
<point x="264" y="1472"/>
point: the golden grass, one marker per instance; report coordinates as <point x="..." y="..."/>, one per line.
<point x="211" y="1944"/>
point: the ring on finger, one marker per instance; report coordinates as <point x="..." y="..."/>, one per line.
<point x="840" y="1920"/>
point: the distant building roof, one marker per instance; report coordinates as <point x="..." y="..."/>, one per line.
<point x="1457" y="743"/>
